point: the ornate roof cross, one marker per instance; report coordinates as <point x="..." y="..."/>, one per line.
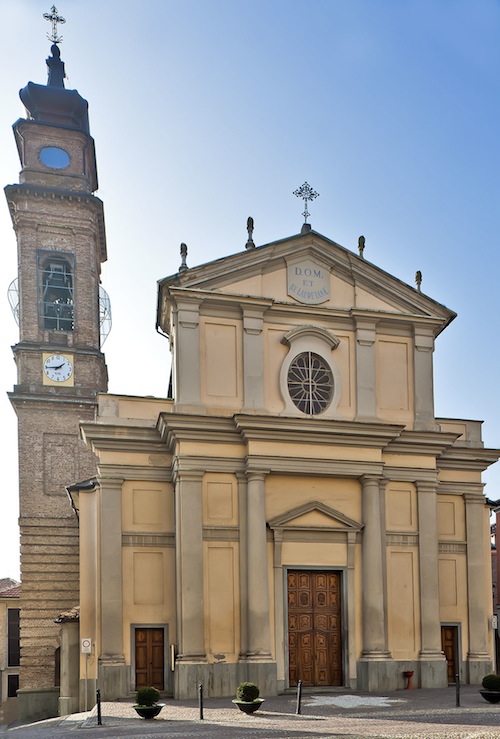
<point x="54" y="18"/>
<point x="306" y="193"/>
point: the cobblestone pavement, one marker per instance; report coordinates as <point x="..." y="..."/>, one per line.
<point x="424" y="714"/>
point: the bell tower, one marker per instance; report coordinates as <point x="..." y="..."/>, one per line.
<point x="61" y="244"/>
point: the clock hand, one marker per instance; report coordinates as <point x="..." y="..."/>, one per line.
<point x="55" y="366"/>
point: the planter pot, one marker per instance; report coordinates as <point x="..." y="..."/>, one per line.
<point x="249" y="706"/>
<point x="492" y="696"/>
<point x="149" y="711"/>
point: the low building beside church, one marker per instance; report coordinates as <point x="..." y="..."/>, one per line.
<point x="296" y="510"/>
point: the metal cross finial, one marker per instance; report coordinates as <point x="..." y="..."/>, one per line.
<point x="54" y="18"/>
<point x="306" y="193"/>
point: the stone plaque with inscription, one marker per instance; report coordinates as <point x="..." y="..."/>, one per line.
<point x="308" y="282"/>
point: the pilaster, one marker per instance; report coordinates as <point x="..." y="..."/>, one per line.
<point x="259" y="638"/>
<point x="433" y="669"/>
<point x="374" y="605"/>
<point x="189" y="566"/>
<point x="423" y="380"/>
<point x="187" y="355"/>
<point x="478" y="659"/>
<point x="113" y="675"/>
<point x="375" y="669"/>
<point x="253" y="360"/>
<point x="365" y="370"/>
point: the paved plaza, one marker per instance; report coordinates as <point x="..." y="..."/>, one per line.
<point x="416" y="713"/>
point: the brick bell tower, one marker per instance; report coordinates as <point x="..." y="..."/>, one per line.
<point x="61" y="306"/>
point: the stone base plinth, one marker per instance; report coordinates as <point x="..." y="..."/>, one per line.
<point x="36" y="705"/>
<point x="377" y="675"/>
<point x="221" y="680"/>
<point x="114" y="681"/>
<point x="91" y="694"/>
<point x="433" y="673"/>
<point x="478" y="668"/>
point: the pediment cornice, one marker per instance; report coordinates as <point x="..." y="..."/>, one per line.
<point x="221" y="273"/>
<point x="339" y="520"/>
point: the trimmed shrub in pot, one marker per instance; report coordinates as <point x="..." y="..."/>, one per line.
<point x="491" y="688"/>
<point x="247" y="697"/>
<point x="147" y="705"/>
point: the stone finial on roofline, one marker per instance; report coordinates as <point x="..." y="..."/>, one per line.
<point x="184" y="251"/>
<point x="250" y="244"/>
<point x="361" y="246"/>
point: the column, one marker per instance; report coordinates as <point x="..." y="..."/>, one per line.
<point x="189" y="566"/>
<point x="259" y="639"/>
<point x="374" y="606"/>
<point x="365" y="370"/>
<point x="191" y="667"/>
<point x="433" y="669"/>
<point x="423" y="380"/>
<point x="376" y="670"/>
<point x="89" y="568"/>
<point x="113" y="677"/>
<point x="253" y="360"/>
<point x="479" y="600"/>
<point x="243" y="552"/>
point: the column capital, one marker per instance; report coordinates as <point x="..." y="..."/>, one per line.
<point x="255" y="475"/>
<point x="426" y="486"/>
<point x="188" y="311"/>
<point x="110" y="483"/>
<point x="474" y="498"/>
<point x="182" y="475"/>
<point x="253" y="319"/>
<point x="368" y="479"/>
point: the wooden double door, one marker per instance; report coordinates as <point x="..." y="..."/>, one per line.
<point x="314" y="627"/>
<point x="149" y="658"/>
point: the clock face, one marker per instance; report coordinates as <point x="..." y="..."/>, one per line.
<point x="58" y="368"/>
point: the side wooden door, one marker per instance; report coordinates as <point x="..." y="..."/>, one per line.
<point x="149" y="658"/>
<point x="449" y="645"/>
<point x="314" y="628"/>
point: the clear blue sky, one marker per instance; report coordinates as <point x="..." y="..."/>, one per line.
<point x="207" y="111"/>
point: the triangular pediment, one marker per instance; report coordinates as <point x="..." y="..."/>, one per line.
<point x="314" y="515"/>
<point x="312" y="270"/>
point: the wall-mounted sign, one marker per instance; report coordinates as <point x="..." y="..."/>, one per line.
<point x="308" y="282"/>
<point x="86" y="646"/>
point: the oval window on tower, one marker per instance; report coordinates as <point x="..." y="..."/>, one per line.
<point x="54" y="157"/>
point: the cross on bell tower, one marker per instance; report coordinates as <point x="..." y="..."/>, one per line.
<point x="54" y="18"/>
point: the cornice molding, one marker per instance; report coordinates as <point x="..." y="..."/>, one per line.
<point x="432" y="443"/>
<point x="317" y="431"/>
<point x="104" y="437"/>
<point x="410" y="474"/>
<point x="133" y="472"/>
<point x="43" y="401"/>
<point x="313" y="467"/>
<point x="15" y="192"/>
<point x="468" y="458"/>
<point x="460" y="488"/>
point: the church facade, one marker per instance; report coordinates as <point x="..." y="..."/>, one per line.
<point x="294" y="511"/>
